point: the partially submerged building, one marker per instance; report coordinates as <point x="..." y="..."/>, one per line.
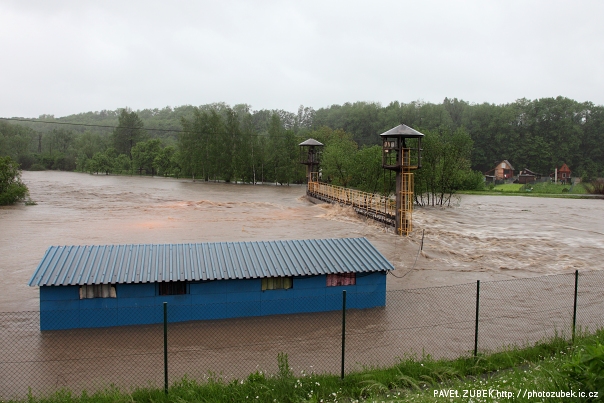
<point x="115" y="285"/>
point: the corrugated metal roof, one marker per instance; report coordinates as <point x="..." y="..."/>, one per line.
<point x="402" y="130"/>
<point x="116" y="264"/>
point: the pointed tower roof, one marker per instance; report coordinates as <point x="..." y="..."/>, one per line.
<point x="310" y="142"/>
<point x="404" y="131"/>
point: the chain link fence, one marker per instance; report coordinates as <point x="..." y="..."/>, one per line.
<point x="440" y="321"/>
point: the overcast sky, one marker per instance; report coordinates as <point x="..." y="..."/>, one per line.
<point x="65" y="57"/>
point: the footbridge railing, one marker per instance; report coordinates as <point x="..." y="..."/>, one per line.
<point x="375" y="206"/>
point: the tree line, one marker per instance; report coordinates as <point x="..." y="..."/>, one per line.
<point x="537" y="134"/>
<point x="219" y="142"/>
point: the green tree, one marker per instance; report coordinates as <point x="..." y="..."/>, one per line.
<point x="17" y="142"/>
<point x="122" y="163"/>
<point x="368" y="171"/>
<point x="243" y="157"/>
<point x="445" y="166"/>
<point x="100" y="162"/>
<point x="338" y="160"/>
<point x="130" y="130"/>
<point x="60" y="140"/>
<point x="144" y="155"/>
<point x="232" y="146"/>
<point x="192" y="144"/>
<point x="216" y="144"/>
<point x="201" y="144"/>
<point x="163" y="161"/>
<point x="276" y="149"/>
<point x="11" y="188"/>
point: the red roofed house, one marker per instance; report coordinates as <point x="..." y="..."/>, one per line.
<point x="564" y="174"/>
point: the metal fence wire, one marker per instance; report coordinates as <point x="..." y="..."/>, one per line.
<point x="439" y="321"/>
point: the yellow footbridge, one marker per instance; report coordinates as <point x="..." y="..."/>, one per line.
<point x="375" y="206"/>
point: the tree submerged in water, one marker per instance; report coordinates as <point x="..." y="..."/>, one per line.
<point x="12" y="189"/>
<point x="446" y="168"/>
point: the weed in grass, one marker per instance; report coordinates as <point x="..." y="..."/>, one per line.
<point x="285" y="371"/>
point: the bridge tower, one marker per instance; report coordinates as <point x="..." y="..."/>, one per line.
<point x="310" y="155"/>
<point x="401" y="153"/>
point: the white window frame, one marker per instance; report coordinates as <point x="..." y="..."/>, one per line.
<point x="89" y="291"/>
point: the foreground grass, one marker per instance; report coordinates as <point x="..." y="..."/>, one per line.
<point x="542" y="367"/>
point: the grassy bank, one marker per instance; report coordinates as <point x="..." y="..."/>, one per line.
<point x="549" y="366"/>
<point x="544" y="189"/>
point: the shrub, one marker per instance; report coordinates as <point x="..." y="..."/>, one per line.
<point x="37" y="167"/>
<point x="26" y="160"/>
<point x="11" y="188"/>
<point x="596" y="186"/>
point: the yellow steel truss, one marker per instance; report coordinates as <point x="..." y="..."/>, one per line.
<point x="406" y="207"/>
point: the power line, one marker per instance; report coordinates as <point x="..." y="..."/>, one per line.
<point x="125" y="127"/>
<point x="90" y="125"/>
<point x="416" y="256"/>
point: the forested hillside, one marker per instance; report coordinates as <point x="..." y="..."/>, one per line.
<point x="538" y="135"/>
<point x="219" y="142"/>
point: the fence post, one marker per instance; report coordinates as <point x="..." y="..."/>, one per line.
<point x="575" y="305"/>
<point x="166" y="348"/>
<point x="343" y="330"/>
<point x="476" y="327"/>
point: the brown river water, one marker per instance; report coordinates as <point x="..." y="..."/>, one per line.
<point x="479" y="237"/>
<point x="430" y="306"/>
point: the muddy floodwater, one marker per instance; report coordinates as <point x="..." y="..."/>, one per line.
<point x="430" y="305"/>
<point x="479" y="237"/>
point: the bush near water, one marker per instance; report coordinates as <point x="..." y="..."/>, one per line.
<point x="12" y="189"/>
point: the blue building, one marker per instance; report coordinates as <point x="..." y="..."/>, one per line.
<point x="115" y="285"/>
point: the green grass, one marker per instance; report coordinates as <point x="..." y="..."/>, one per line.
<point x="543" y="189"/>
<point x="540" y="367"/>
<point x="508" y="187"/>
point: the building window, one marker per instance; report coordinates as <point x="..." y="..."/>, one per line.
<point x="564" y="175"/>
<point x="334" y="280"/>
<point x="173" y="288"/>
<point x="97" y="291"/>
<point x="277" y="283"/>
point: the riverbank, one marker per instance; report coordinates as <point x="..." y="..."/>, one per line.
<point x="529" y="194"/>
<point x="550" y="366"/>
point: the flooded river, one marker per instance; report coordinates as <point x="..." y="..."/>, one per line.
<point x="479" y="237"/>
<point x="430" y="304"/>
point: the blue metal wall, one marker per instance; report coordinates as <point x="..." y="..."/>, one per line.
<point x="61" y="308"/>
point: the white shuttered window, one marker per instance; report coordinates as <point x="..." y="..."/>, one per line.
<point x="97" y="291"/>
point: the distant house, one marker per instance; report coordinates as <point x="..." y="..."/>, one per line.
<point x="527" y="176"/>
<point x="564" y="174"/>
<point x="116" y="285"/>
<point x="504" y="170"/>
